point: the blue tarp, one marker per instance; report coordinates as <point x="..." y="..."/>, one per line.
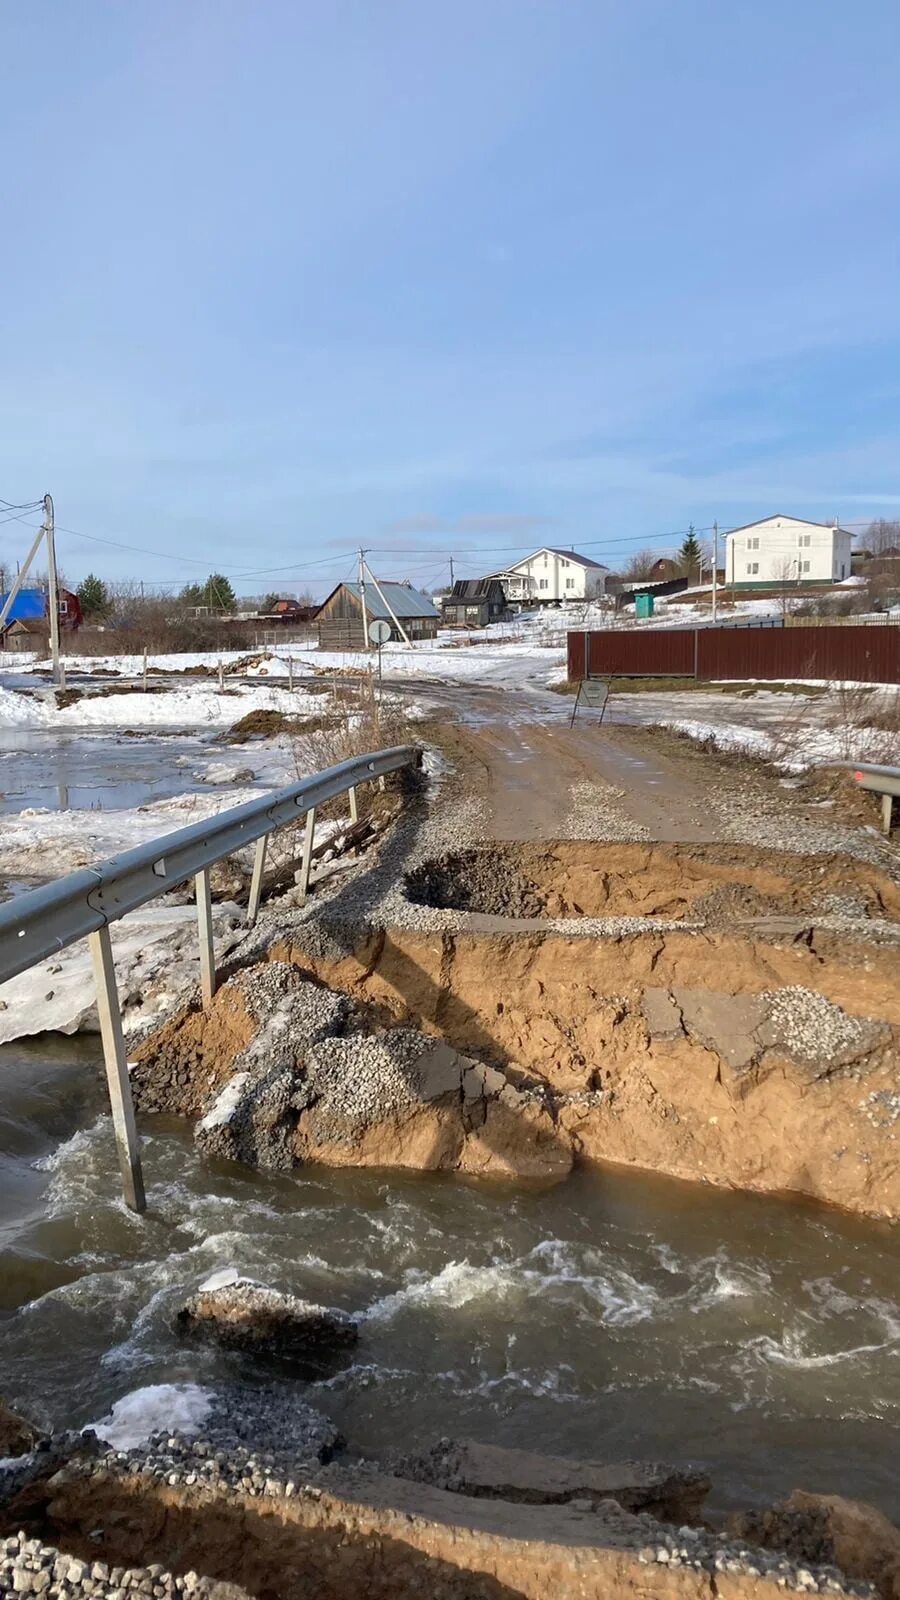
<point x="28" y="606"/>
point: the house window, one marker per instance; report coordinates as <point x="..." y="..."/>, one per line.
<point x="543" y="583"/>
<point x="806" y="566"/>
<point x="753" y="544"/>
<point x="570" y="583"/>
<point x="805" y="541"/>
<point x="752" y="566"/>
<point x="63" y="607"/>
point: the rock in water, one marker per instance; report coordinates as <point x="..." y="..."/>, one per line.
<point x="262" y="1322"/>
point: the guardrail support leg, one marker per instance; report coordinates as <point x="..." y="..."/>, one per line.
<point x="354" y="804"/>
<point x="256" y="882"/>
<point x="306" y="863"/>
<point x="887" y="811"/>
<point x="127" y="1142"/>
<point x="204" y="922"/>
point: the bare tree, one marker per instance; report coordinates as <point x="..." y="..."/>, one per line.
<point x="880" y="536"/>
<point x="786" y="569"/>
<point x="640" y="565"/>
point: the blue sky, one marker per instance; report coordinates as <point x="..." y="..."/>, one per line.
<point x="280" y="278"/>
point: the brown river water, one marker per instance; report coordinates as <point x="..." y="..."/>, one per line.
<point x="616" y="1315"/>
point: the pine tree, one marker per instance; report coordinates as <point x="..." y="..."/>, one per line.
<point x="93" y="597"/>
<point x="268" y="604"/>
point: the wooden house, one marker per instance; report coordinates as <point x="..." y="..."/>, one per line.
<point x="474" y="602"/>
<point x="339" y="619"/>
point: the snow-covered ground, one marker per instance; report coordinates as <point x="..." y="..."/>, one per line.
<point x="793" y="731"/>
<point x="199" y="706"/>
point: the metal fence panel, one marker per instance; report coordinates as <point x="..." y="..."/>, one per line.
<point x="827" y="652"/>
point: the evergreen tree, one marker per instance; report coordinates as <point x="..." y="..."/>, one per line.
<point x="93" y="597"/>
<point x="690" y="554"/>
<point x="219" y="594"/>
<point x="216" y="594"/>
<point x="268" y="603"/>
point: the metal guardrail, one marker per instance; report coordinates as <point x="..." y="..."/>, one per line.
<point x="82" y="905"/>
<point x="880" y="780"/>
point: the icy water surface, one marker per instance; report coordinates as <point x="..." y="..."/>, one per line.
<point x="80" y="770"/>
<point x="615" y="1315"/>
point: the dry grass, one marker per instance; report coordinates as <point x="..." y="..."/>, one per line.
<point x="365" y="723"/>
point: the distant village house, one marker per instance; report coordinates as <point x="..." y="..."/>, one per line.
<point x="550" y="576"/>
<point x="780" y="550"/>
<point x="339" y="619"/>
<point x="474" y="602"/>
<point x="27" y="626"/>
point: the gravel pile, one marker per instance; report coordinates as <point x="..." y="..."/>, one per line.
<point x="364" y="1079"/>
<point x="29" y="1567"/>
<point x="813" y="1029"/>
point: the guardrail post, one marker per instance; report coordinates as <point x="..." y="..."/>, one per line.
<point x="256" y="882"/>
<point x="204" y="923"/>
<point x="887" y="811"/>
<point x="127" y="1141"/>
<point x="354" y="804"/>
<point x="306" y="863"/>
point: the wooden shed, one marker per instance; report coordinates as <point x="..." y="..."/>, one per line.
<point x="339" y="619"/>
<point x="474" y="602"/>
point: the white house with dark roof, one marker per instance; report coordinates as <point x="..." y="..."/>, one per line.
<point x="549" y="576"/>
<point x="781" y="550"/>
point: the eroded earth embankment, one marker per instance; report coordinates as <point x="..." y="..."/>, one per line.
<point x="709" y="1012"/>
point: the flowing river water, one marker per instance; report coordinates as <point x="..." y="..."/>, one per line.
<point x="615" y="1315"/>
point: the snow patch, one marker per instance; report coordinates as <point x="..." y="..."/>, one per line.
<point x="154" y="1409"/>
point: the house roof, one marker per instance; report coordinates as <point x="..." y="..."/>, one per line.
<point x="785" y="516"/>
<point x="35" y="625"/>
<point x="567" y="555"/>
<point x="28" y="605"/>
<point x="403" y="601"/>
<point x="471" y="590"/>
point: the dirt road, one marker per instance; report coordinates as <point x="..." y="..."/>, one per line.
<point x="536" y="769"/>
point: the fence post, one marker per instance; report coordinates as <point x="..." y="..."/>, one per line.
<point x="127" y="1142"/>
<point x="221" y="674"/>
<point x="354" y="803"/>
<point x="887" y="811"/>
<point x="205" y="929"/>
<point x="306" y="863"/>
<point x="256" y="882"/>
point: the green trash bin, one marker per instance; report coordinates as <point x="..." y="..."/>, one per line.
<point x="643" y="605"/>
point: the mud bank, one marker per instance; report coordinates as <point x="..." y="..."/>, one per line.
<point x="340" y="1531"/>
<point x="705" y="1056"/>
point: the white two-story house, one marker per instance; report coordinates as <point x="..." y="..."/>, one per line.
<point x="781" y="550"/>
<point x="549" y="576"/>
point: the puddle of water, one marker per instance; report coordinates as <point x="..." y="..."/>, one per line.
<point x="83" y="771"/>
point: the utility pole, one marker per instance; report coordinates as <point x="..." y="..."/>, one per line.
<point x="362" y="596"/>
<point x="451" y="572"/>
<point x="54" y="588"/>
<point x="715" y="587"/>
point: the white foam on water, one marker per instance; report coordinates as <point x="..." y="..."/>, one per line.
<point x="789" y="1352"/>
<point x="153" y="1409"/>
<point x="457" y="1284"/>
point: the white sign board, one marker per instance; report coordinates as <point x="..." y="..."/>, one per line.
<point x="379" y="632"/>
<point x="594" y="693"/>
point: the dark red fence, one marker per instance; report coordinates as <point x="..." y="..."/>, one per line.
<point x="867" y="655"/>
